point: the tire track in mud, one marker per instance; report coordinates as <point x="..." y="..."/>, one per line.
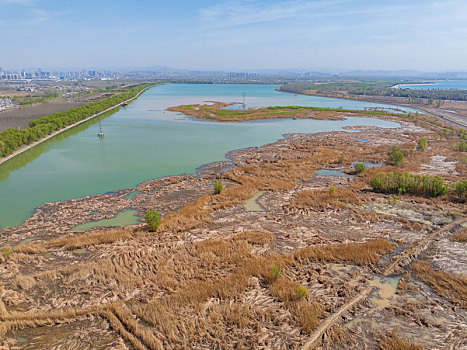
<point x="329" y="322"/>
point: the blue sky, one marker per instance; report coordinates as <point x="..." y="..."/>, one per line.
<point x="235" y="34"/>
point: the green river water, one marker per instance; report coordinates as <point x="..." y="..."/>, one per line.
<point x="143" y="141"/>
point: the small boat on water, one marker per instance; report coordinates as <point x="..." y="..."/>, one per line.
<point x="124" y="104"/>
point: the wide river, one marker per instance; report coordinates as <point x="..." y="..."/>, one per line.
<point x="143" y="141"/>
<point x="438" y="85"/>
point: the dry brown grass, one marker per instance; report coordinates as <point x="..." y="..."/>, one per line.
<point x="120" y="328"/>
<point x="460" y="236"/>
<point x="368" y="253"/>
<point x="393" y="341"/>
<point x="15" y="320"/>
<point x="76" y="241"/>
<point x="125" y="317"/>
<point x="451" y="287"/>
<point x="191" y="274"/>
<point x="324" y="199"/>
<point x="255" y="237"/>
<point x="232" y="314"/>
<point x="265" y="176"/>
<point x="306" y="310"/>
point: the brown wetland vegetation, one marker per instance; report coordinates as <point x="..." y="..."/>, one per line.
<point x="328" y="264"/>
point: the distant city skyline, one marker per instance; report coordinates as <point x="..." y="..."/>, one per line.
<point x="423" y="35"/>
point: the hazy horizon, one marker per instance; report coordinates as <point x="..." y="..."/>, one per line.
<point x="236" y="34"/>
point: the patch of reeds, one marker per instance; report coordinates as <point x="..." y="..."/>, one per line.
<point x="451" y="287"/>
<point x="368" y="253"/>
<point x="338" y="198"/>
<point x="255" y="237"/>
<point x="120" y="328"/>
<point x="460" y="236"/>
<point x="298" y="302"/>
<point x="16" y="320"/>
<point x="125" y="317"/>
<point x="75" y="241"/>
<point x="393" y="341"/>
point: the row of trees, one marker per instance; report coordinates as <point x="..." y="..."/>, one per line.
<point x="403" y="182"/>
<point x="377" y="88"/>
<point x="12" y="139"/>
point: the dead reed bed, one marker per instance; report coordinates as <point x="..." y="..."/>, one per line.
<point x="75" y="241"/>
<point x="368" y="253"/>
<point x="393" y="341"/>
<point x="451" y="287"/>
<point x="16" y="320"/>
<point x="125" y="317"/>
<point x="460" y="236"/>
<point x="297" y="300"/>
<point x="336" y="198"/>
<point x="120" y="328"/>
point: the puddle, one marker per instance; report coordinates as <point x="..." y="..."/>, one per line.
<point x="345" y="273"/>
<point x="368" y="165"/>
<point x="132" y="195"/>
<point x="79" y="251"/>
<point x="24" y="241"/>
<point x="252" y="205"/>
<point x="385" y="259"/>
<point x="363" y="140"/>
<point x="386" y="291"/>
<point x="123" y="218"/>
<point x="382" y="297"/>
<point x="333" y="172"/>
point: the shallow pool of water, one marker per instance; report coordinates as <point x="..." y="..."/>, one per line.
<point x="252" y="205"/>
<point x="132" y="195"/>
<point x="333" y="172"/>
<point x="368" y="165"/>
<point x="438" y="85"/>
<point x="127" y="217"/>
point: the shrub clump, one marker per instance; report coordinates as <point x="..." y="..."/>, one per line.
<point x="460" y="188"/>
<point x="153" y="219"/>
<point x="461" y="146"/>
<point x="359" y="167"/>
<point x="6" y="251"/>
<point x="422" y="143"/>
<point x="276" y="272"/>
<point x="218" y="186"/>
<point x="403" y="182"/>
<point x="397" y="156"/>
<point x="332" y="191"/>
<point x="302" y="292"/>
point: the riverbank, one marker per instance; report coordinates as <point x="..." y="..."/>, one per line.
<point x="453" y="112"/>
<point x="218" y="275"/>
<point x="25" y="148"/>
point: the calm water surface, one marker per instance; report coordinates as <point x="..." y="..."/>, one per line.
<point x="438" y="85"/>
<point x="143" y="141"/>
